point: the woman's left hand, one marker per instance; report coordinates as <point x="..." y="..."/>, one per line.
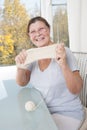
<point x="61" y="55"/>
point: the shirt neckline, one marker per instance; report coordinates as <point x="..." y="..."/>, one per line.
<point x="46" y="68"/>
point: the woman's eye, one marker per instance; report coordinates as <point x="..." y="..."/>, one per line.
<point x="42" y="29"/>
<point x="32" y="32"/>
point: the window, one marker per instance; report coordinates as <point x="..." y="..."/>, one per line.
<point x="60" y="22"/>
<point x="14" y="17"/>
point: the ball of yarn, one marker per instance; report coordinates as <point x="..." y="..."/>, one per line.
<point x="29" y="106"/>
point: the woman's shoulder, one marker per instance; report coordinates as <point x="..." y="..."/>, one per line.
<point x="69" y="52"/>
<point x="68" y="49"/>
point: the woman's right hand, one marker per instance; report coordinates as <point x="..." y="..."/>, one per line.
<point x="21" y="57"/>
<point x="23" y="75"/>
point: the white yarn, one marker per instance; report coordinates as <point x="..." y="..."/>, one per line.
<point x="30" y="106"/>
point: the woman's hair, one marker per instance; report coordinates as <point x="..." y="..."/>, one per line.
<point x="35" y="19"/>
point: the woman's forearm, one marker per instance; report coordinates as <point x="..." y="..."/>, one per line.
<point x="73" y="80"/>
<point x="22" y="77"/>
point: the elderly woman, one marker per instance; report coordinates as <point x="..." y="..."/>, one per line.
<point x="57" y="79"/>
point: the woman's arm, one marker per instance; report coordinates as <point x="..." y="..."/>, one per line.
<point x="72" y="78"/>
<point x="23" y="75"/>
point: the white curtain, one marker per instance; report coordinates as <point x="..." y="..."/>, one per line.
<point x="46" y="12"/>
<point x="84" y="25"/>
<point x="77" y="21"/>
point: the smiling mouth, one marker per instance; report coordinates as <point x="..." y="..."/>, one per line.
<point x="40" y="39"/>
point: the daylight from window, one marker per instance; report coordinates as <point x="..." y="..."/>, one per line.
<point x="14" y="17"/>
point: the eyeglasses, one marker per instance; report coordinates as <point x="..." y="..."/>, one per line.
<point x="40" y="31"/>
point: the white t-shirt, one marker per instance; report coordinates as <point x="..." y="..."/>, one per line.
<point x="52" y="85"/>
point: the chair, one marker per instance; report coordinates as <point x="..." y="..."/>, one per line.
<point x="84" y="124"/>
<point x="82" y="64"/>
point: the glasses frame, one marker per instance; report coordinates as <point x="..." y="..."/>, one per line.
<point x="39" y="31"/>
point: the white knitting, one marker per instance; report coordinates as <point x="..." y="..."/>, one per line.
<point x="39" y="53"/>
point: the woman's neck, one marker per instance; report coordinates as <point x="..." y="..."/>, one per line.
<point x="44" y="63"/>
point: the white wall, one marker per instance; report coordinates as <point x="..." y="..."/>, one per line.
<point x="8" y="72"/>
<point x="77" y="21"/>
<point x="84" y="25"/>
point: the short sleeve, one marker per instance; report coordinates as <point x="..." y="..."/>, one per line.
<point x="71" y="60"/>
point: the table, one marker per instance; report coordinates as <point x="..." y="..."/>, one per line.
<point x="13" y="115"/>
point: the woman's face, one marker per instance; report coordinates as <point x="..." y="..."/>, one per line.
<point x="39" y="34"/>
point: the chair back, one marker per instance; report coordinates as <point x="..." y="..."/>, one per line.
<point x="82" y="64"/>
